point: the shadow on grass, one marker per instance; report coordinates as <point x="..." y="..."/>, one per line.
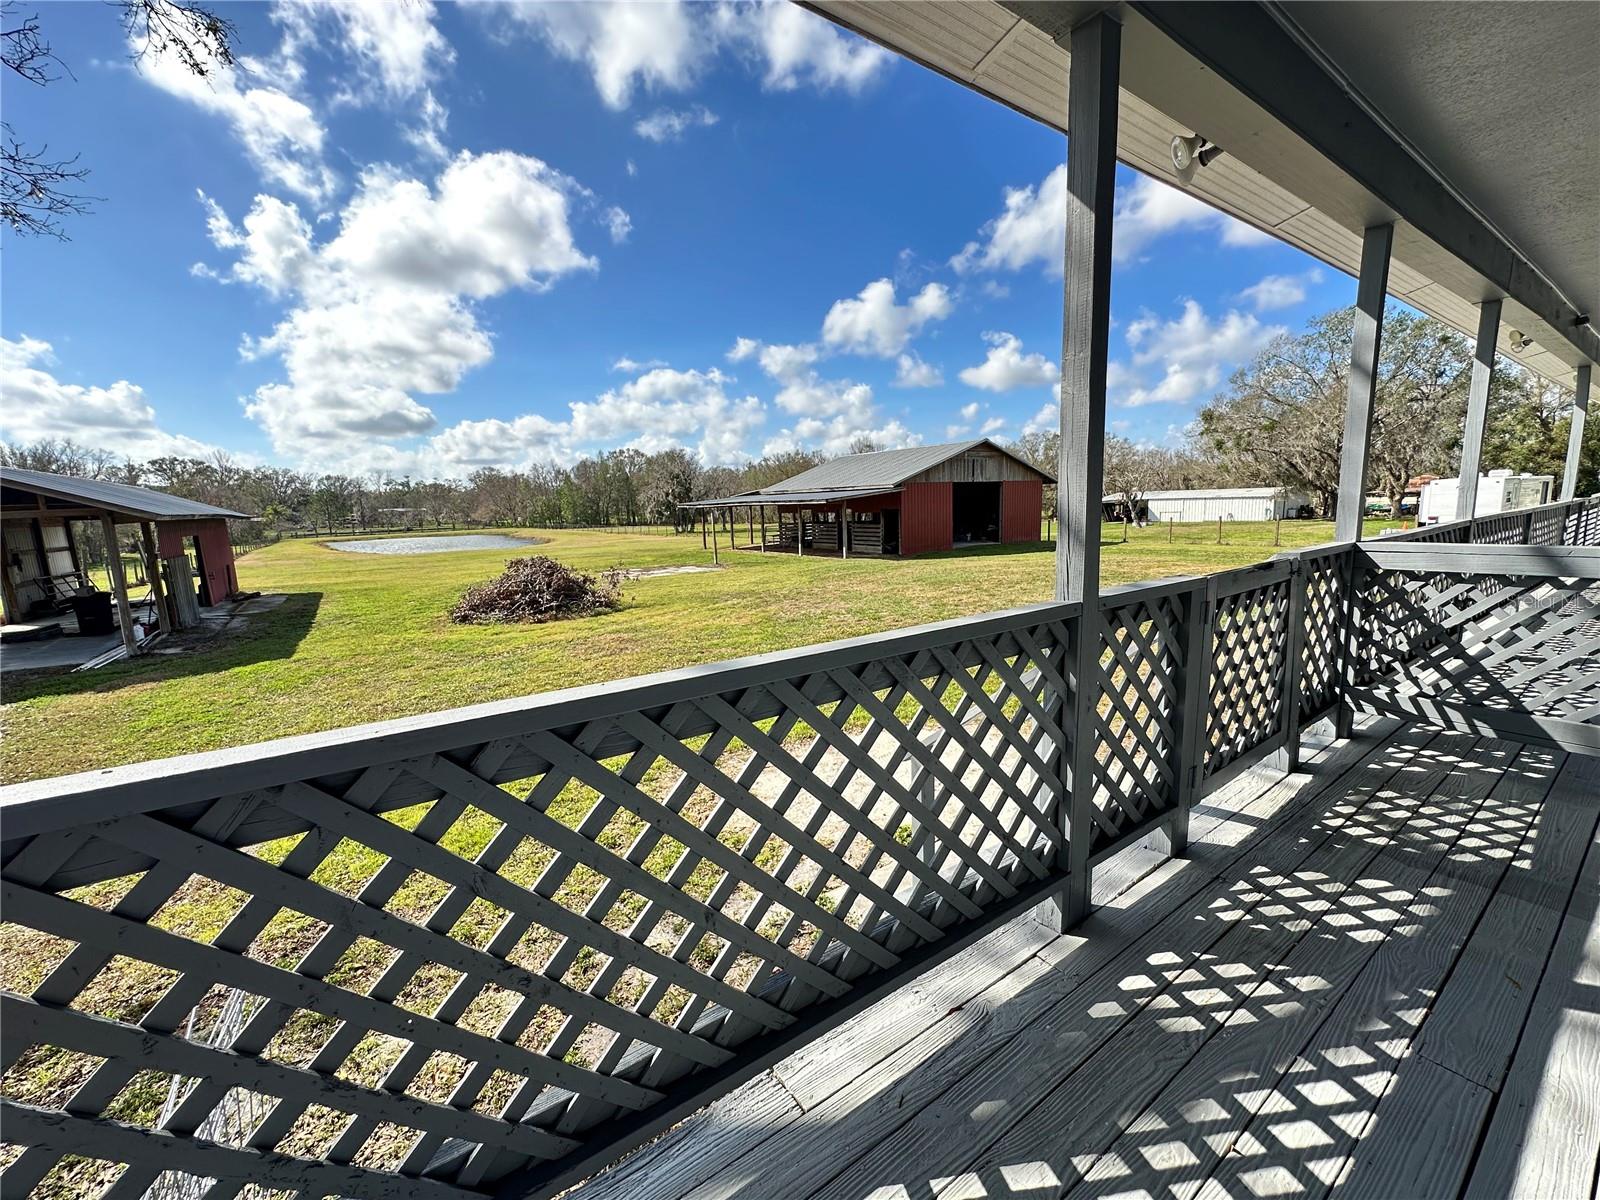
<point x="259" y="637"/>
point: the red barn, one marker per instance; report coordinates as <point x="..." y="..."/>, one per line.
<point x="900" y="502"/>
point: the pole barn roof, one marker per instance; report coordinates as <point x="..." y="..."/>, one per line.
<point x="884" y="470"/>
<point x="122" y="498"/>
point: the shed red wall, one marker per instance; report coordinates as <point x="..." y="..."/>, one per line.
<point x="925" y="517"/>
<point x="216" y="551"/>
<point x="1020" y="505"/>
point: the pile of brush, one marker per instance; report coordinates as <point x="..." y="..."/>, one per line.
<point x="538" y="589"/>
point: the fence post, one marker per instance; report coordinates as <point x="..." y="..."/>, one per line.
<point x="1344" y="714"/>
<point x="1288" y="758"/>
<point x="1527" y="528"/>
<point x="1194" y="697"/>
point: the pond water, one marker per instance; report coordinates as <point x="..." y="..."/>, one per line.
<point x="438" y="545"/>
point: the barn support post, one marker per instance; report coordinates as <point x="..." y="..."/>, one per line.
<point x="1477" y="409"/>
<point x="1096" y="46"/>
<point x="799" y="532"/>
<point x="1372" y="288"/>
<point x="1580" y="411"/>
<point x="750" y="526"/>
<point x="844" y="531"/>
<point x="703" y="519"/>
<point x="119" y="583"/>
<point x="763" y="528"/>
<point x="713" y="522"/>
<point x="158" y="592"/>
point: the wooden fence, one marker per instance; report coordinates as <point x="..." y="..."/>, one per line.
<point x="484" y="952"/>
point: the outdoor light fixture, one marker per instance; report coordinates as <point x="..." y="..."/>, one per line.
<point x="1189" y="154"/>
<point x="1519" y="341"/>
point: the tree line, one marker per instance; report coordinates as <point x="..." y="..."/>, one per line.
<point x="1277" y="423"/>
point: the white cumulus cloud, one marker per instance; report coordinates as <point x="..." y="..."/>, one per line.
<point x="911" y="372"/>
<point x="385" y="309"/>
<point x="1006" y="367"/>
<point x="35" y="404"/>
<point x="1279" y="291"/>
<point x="873" y="323"/>
<point x="1177" y="361"/>
<point x="1031" y="227"/>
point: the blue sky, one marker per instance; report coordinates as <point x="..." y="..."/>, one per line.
<point x="424" y="239"/>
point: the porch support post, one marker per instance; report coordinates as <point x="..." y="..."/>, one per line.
<point x="1371" y="290"/>
<point x="1477" y="409"/>
<point x="158" y="592"/>
<point x="119" y="583"/>
<point x="1366" y="344"/>
<point x="1091" y="195"/>
<point x="1580" y="411"/>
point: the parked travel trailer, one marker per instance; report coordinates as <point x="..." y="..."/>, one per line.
<point x="1498" y="491"/>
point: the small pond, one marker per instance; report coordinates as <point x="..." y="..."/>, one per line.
<point x="438" y="545"/>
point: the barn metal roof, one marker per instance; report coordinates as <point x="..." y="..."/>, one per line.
<point x="745" y="499"/>
<point x="115" y="497"/>
<point x="885" y="469"/>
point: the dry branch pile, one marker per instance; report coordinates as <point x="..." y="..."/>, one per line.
<point x="538" y="589"/>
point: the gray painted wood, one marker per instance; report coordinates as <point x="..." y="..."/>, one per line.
<point x="1474" y="1023"/>
<point x="1477" y="409"/>
<point x="1580" y="416"/>
<point x="1096" y="47"/>
<point x="1372" y="288"/>
<point x="1545" y="1132"/>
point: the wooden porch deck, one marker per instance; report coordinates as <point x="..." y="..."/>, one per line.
<point x="1374" y="978"/>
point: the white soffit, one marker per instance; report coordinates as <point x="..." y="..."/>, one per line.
<point x="1260" y="180"/>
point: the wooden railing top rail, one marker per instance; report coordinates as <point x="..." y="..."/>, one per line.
<point x="1553" y="562"/>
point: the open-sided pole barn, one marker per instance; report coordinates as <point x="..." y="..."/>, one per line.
<point x="43" y="569"/>
<point x="901" y="502"/>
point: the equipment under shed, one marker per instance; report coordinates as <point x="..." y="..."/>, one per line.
<point x="898" y="502"/>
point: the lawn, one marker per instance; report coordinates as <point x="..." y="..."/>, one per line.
<point x="365" y="637"/>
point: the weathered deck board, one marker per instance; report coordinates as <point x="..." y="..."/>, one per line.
<point x="1545" y="1130"/>
<point x="1382" y="980"/>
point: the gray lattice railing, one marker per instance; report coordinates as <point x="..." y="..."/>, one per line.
<point x="1489" y="639"/>
<point x="483" y="952"/>
<point x="473" y="950"/>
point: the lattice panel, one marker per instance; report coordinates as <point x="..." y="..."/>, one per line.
<point x="1323" y="614"/>
<point x="1583" y="524"/>
<point x="1524" y="645"/>
<point x="1504" y="529"/>
<point x="1140" y="675"/>
<point x="1249" y="647"/>
<point x="1546" y="526"/>
<point x="454" y="966"/>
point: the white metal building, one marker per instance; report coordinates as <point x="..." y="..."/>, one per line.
<point x="1230" y="504"/>
<point x="1498" y="491"/>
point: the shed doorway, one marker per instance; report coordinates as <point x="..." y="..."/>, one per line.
<point x="974" y="513"/>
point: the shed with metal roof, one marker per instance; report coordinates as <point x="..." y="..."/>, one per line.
<point x="897" y="502"/>
<point x="44" y="571"/>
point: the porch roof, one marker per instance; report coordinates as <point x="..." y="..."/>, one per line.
<point x="1335" y="118"/>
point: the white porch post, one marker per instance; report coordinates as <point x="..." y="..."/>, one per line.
<point x="1477" y="409"/>
<point x="1371" y="290"/>
<point x="1580" y="411"/>
<point x="1091" y="194"/>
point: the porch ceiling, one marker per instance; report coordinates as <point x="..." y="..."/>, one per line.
<point x="1497" y="106"/>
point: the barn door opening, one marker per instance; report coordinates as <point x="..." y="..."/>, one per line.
<point x="974" y="513"/>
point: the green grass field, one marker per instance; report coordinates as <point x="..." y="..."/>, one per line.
<point x="365" y="637"/>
